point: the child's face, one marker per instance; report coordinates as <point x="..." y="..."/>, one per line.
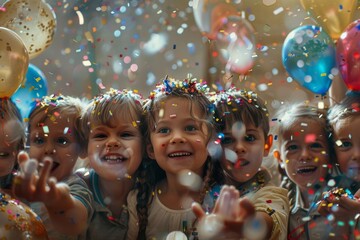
<point x="9" y="145"/>
<point x="243" y="152"/>
<point x="179" y="142"/>
<point x="55" y="138"/>
<point x="304" y="151"/>
<point x="115" y="151"/>
<point x="347" y="146"/>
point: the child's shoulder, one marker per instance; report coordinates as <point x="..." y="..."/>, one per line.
<point x="84" y="174"/>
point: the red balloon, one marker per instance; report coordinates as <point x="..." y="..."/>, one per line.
<point x="348" y="55"/>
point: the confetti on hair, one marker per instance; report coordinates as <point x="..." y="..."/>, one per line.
<point x="189" y="85"/>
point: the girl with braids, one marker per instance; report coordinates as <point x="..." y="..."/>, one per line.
<point x="242" y="125"/>
<point x="304" y="153"/>
<point x="12" y="141"/>
<point x="179" y="121"/>
<point x="112" y="127"/>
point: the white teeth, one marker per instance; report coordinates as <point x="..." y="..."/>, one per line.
<point x="306" y="169"/>
<point x="113" y="158"/>
<point x="4" y="154"/>
<point x="182" y="154"/>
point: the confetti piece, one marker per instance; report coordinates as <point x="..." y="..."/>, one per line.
<point x="46" y="129"/>
<point x="278" y="10"/>
<point x="310" y="138"/>
<point x="134" y="123"/>
<point x="86" y="63"/>
<point x="81" y="17"/>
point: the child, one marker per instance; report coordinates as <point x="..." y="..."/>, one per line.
<point x="243" y="131"/>
<point x="344" y="119"/>
<point x="112" y="126"/>
<point x="179" y="121"/>
<point x="304" y="151"/>
<point x="16" y="219"/>
<point x="55" y="146"/>
<point x="12" y="137"/>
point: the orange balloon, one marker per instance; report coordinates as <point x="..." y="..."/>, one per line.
<point x="33" y="20"/>
<point x="14" y="62"/>
<point x="332" y="15"/>
<point x="18" y="221"/>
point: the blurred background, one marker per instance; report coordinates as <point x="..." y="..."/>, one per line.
<point x="135" y="44"/>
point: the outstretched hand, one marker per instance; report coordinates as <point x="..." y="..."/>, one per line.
<point x="37" y="186"/>
<point x="228" y="218"/>
<point x="343" y="207"/>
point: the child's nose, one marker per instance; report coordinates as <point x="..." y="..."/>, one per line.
<point x="112" y="142"/>
<point x="356" y="155"/>
<point x="240" y="147"/>
<point x="49" y="148"/>
<point x="177" y="137"/>
<point x="305" y="155"/>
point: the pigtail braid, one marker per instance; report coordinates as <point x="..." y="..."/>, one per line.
<point x="148" y="176"/>
<point x="291" y="187"/>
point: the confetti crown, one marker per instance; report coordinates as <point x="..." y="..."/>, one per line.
<point x="188" y="85"/>
<point x="237" y="96"/>
<point x="51" y="100"/>
<point x="115" y="92"/>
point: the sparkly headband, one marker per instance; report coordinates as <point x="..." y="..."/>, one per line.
<point x="51" y="100"/>
<point x="188" y="85"/>
<point x="114" y="92"/>
<point x="234" y="95"/>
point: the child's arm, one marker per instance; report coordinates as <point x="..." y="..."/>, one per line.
<point x="228" y="218"/>
<point x="67" y="213"/>
<point x="337" y="90"/>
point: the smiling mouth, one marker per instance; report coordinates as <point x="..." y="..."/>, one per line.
<point x="55" y="165"/>
<point x="179" y="154"/>
<point x="114" y="159"/>
<point x="306" y="170"/>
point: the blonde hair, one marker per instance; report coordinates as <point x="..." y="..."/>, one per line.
<point x="56" y="105"/>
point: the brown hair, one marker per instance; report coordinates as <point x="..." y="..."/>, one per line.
<point x="194" y="92"/>
<point x="8" y="112"/>
<point x="235" y="105"/>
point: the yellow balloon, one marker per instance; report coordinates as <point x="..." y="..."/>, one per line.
<point x="18" y="221"/>
<point x="333" y="15"/>
<point x="33" y="20"/>
<point x="14" y="62"/>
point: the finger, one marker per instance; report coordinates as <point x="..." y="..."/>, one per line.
<point x="29" y="169"/>
<point x="323" y="208"/>
<point x="226" y="201"/>
<point x="357" y="194"/>
<point x="350" y="204"/>
<point x="198" y="210"/>
<point x="22" y="158"/>
<point x="44" y="175"/>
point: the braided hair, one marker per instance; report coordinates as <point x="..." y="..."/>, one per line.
<point x="194" y="92"/>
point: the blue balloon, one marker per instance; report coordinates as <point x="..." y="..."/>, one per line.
<point x="308" y="55"/>
<point x="35" y="87"/>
